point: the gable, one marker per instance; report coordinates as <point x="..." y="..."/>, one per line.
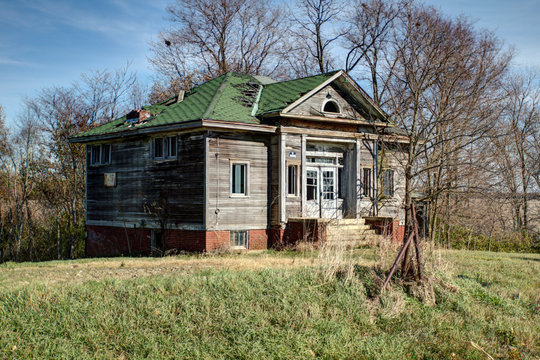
<point x="324" y="99"/>
<point x="357" y="103"/>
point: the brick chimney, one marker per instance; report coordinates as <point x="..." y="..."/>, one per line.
<point x="137" y="116"/>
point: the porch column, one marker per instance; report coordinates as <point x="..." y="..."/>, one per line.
<point x="357" y="171"/>
<point x="282" y="175"/>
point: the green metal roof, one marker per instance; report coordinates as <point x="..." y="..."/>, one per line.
<point x="230" y="97"/>
<point x="277" y="96"/>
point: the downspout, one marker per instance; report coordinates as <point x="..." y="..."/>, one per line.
<point x="376" y="180"/>
<point x="218" y="174"/>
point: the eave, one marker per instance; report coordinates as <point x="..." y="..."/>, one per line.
<point x="189" y="125"/>
<point x="336" y="120"/>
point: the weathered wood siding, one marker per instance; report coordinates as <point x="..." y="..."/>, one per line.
<point x="394" y="158"/>
<point x="274" y="180"/>
<point x="365" y="157"/>
<point x="314" y="103"/>
<point x="293" y="204"/>
<point x="144" y="185"/>
<point x="230" y="212"/>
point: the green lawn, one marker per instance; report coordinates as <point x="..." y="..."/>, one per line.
<point x="268" y="305"/>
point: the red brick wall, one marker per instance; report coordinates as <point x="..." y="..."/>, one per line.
<point x="217" y="240"/>
<point x="258" y="239"/>
<point x="189" y="240"/>
<point x="398" y="232"/>
<point x="389" y="228"/>
<point x="276" y="237"/>
<point x="296" y="231"/>
<point x="113" y="241"/>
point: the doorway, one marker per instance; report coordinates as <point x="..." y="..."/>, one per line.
<point x="323" y="198"/>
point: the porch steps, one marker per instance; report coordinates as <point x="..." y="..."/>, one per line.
<point x="350" y="233"/>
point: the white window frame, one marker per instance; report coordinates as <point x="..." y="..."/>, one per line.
<point x="296" y="180"/>
<point x="246" y="178"/>
<point x="166" y="148"/>
<point x="101" y="160"/>
<point x="232" y="235"/>
<point x="330" y="112"/>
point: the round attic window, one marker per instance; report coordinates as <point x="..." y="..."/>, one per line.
<point x="331" y="106"/>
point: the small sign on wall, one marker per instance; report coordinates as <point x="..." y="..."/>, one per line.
<point x="292" y="154"/>
<point x="110" y="179"/>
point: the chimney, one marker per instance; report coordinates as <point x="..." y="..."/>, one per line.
<point x="137" y="116"/>
<point x="181" y="94"/>
<point x="143" y="115"/>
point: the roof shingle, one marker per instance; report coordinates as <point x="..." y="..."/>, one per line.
<point x="229" y="97"/>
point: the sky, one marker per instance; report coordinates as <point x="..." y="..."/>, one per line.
<point x="45" y="43"/>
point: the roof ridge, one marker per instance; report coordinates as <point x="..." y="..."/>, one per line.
<point x="216" y="96"/>
<point x="329" y="73"/>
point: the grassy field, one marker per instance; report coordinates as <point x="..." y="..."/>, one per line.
<point x="270" y="305"/>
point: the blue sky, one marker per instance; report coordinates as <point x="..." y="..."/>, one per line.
<point x="51" y="42"/>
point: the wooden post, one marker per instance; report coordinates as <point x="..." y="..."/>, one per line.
<point x="416" y="244"/>
<point x="400" y="255"/>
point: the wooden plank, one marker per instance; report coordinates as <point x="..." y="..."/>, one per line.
<point x="225" y="210"/>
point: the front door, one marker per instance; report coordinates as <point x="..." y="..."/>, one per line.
<point x="328" y="192"/>
<point x="321" y="196"/>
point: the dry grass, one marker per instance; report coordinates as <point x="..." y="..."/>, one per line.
<point x="53" y="272"/>
<point x="269" y="305"/>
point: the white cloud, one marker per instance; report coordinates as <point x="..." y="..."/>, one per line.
<point x="8" y="61"/>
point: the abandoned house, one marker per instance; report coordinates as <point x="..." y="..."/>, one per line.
<point x="248" y="162"/>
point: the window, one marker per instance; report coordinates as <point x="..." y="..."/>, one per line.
<point x="292" y="180"/>
<point x="366" y="182"/>
<point x="331" y="107"/>
<point x="388" y="183"/>
<point x="328" y="179"/>
<point x="164" y="148"/>
<point x="312" y="185"/>
<point x="239" y="239"/>
<point x="100" y="154"/>
<point x="239" y="178"/>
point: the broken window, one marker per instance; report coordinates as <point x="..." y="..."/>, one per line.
<point x="366" y="182"/>
<point x="100" y="154"/>
<point x="388" y="183"/>
<point x="239" y="177"/>
<point x="164" y="148"/>
<point x="331" y="107"/>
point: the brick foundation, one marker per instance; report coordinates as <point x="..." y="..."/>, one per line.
<point x="116" y="241"/>
<point x="296" y="231"/>
<point x="388" y="227"/>
<point x="398" y="232"/>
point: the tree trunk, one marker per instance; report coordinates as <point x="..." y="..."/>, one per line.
<point x="72" y="247"/>
<point x="58" y="240"/>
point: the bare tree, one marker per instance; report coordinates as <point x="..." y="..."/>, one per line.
<point x="372" y="26"/>
<point x="212" y="38"/>
<point x="439" y="79"/>
<point x="315" y="30"/>
<point x="516" y="144"/>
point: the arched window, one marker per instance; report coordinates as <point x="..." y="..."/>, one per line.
<point x="331" y="107"/>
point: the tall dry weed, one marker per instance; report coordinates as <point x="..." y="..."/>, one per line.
<point x="335" y="259"/>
